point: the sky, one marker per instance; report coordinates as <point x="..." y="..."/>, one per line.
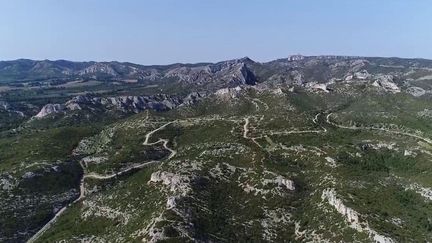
<point x="188" y="31"/>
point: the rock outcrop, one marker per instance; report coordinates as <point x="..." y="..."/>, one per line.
<point x="352" y="217"/>
<point x="4" y="105"/>
<point x="49" y="109"/>
<point x="387" y="83"/>
<point x="229" y="74"/>
<point x="125" y="104"/>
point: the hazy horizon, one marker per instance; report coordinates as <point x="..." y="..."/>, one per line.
<point x="167" y="32"/>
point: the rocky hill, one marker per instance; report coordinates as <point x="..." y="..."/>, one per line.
<point x="301" y="149"/>
<point x="125" y="104"/>
<point x="292" y="70"/>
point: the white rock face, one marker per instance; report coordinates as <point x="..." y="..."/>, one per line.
<point x="317" y="86"/>
<point x="423" y="191"/>
<point x="171" y="202"/>
<point x="177" y="186"/>
<point x="8" y="183"/>
<point x="357" y="71"/>
<point x="166" y="178"/>
<point x="322" y="87"/>
<point x="358" y="64"/>
<point x="73" y="106"/>
<point x="227" y="93"/>
<point x="362" y="75"/>
<point x="122" y="103"/>
<point x="376" y="84"/>
<point x="331" y="162"/>
<point x="229" y="72"/>
<point x="277" y="91"/>
<point x="352" y="217"/>
<point x="386" y="82"/>
<point x="409" y="153"/>
<point x="295" y="57"/>
<point x="279" y="185"/>
<point x="281" y="181"/>
<point x="98" y="68"/>
<point x="173" y="181"/>
<point x="50" y="109"/>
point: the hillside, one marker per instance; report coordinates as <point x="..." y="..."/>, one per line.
<point x="301" y="149"/>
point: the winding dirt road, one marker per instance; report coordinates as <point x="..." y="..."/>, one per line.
<point x="426" y="140"/>
<point x="245" y="128"/>
<point x="94" y="175"/>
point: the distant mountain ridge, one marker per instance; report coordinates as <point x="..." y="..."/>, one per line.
<point x="27" y="70"/>
<point x="295" y="69"/>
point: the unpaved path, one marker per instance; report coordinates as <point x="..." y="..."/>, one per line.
<point x="426" y="140"/>
<point x="147" y="137"/>
<point x="94" y="175"/>
<point x="245" y="128"/>
<point x="266" y="107"/>
<point x="314" y="120"/>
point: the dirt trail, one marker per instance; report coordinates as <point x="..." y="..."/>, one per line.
<point x="266" y="107"/>
<point x="314" y="120"/>
<point x="245" y="128"/>
<point x="426" y="140"/>
<point x="94" y="175"/>
<point x="161" y="140"/>
<point x="255" y="102"/>
<point x="147" y="137"/>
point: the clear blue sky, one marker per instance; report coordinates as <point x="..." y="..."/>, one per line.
<point x="168" y="31"/>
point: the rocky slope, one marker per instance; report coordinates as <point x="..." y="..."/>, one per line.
<point x="125" y="104"/>
<point x="301" y="149"/>
<point x="292" y="70"/>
